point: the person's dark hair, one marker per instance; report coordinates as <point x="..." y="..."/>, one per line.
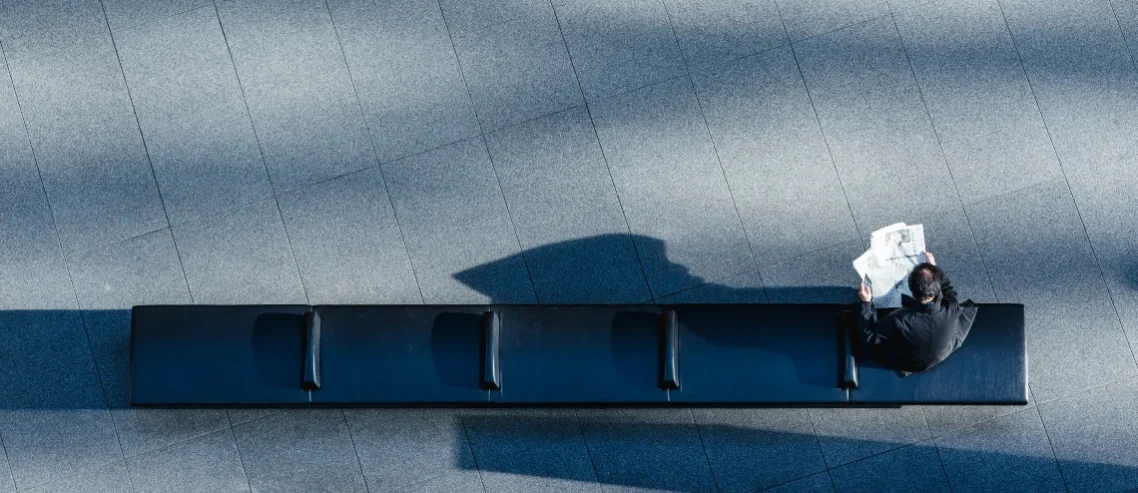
<point x="924" y="282"/>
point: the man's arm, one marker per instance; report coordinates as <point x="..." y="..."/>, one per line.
<point x="947" y="292"/>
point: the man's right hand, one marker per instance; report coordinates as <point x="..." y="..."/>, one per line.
<point x="864" y="293"/>
<point x="929" y="257"/>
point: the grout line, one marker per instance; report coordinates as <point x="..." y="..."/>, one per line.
<point x="1066" y="181"/>
<point x="608" y="166"/>
<point x="486" y="148"/>
<point x="146" y="149"/>
<point x="715" y="148"/>
<point x="588" y="452"/>
<point x="261" y="151"/>
<point x="67" y="263"/>
<point x="240" y="456"/>
<point x="703" y="445"/>
<point x="1054" y="455"/>
<point x="1125" y="40"/>
<point x="943" y="155"/>
<point x="375" y="153"/>
<point x="936" y="446"/>
<point x="817" y="439"/>
<point x="818" y="120"/>
<point x="355" y="450"/>
<point x="8" y="463"/>
<point x="470" y="447"/>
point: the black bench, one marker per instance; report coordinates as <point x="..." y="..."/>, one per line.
<point x="511" y="355"/>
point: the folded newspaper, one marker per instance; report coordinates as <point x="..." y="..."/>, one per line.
<point x="893" y="252"/>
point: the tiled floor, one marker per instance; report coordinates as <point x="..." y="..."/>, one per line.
<point x="408" y="151"/>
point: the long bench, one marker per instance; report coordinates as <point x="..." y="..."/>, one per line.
<point x="520" y="355"/>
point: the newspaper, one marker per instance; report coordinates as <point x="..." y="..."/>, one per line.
<point x="893" y="252"/>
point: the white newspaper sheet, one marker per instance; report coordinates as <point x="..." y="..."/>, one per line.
<point x="893" y="252"/>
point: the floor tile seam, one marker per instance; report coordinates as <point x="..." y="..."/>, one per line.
<point x="1067" y="182"/>
<point x="1122" y="32"/>
<point x="355" y="449"/>
<point x="1086" y="390"/>
<point x="70" y="278"/>
<point x="260" y="150"/>
<point x="928" y="441"/>
<point x="715" y="149"/>
<point x="180" y="441"/>
<point x="149" y="160"/>
<point x="486" y="149"/>
<point x="943" y="154"/>
<point x="588" y="451"/>
<point x="75" y="294"/>
<point x="936" y="446"/>
<point x="818" y="121"/>
<point x="604" y="156"/>
<point x="832" y="31"/>
<point x="788" y="481"/>
<point x="470" y="448"/>
<point x="703" y="446"/>
<point x="1054" y="454"/>
<point x="375" y="153"/>
<point x="240" y="456"/>
<point x="8" y="463"/>
<point x="817" y="440"/>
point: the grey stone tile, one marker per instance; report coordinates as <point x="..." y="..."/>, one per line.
<point x="124" y="14"/>
<point x="978" y="95"/>
<point x="465" y="15"/>
<point x="568" y="217"/>
<point x="207" y="464"/>
<point x="31" y="27"/>
<point x="619" y="46"/>
<point x="1007" y="453"/>
<point x="713" y="32"/>
<point x="877" y="127"/>
<point x="112" y="478"/>
<point x="413" y="449"/>
<point x="404" y="67"/>
<point x="646" y="449"/>
<point x="1083" y="76"/>
<point x="88" y="145"/>
<point x="240" y="256"/>
<point x="912" y="468"/>
<point x="516" y="70"/>
<point x="300" y="450"/>
<point x="1107" y="206"/>
<point x="948" y="235"/>
<point x="775" y="157"/>
<point x="6" y="483"/>
<point x="849" y="434"/>
<point x="899" y="6"/>
<point x="347" y="242"/>
<point x="54" y="420"/>
<point x="817" y="483"/>
<point x="531" y="450"/>
<point x="824" y="276"/>
<point x="189" y="103"/>
<point x="752" y="449"/>
<point x="457" y="228"/>
<point x="1096" y="447"/>
<point x="1037" y="253"/>
<point x="945" y="419"/>
<point x="300" y="94"/>
<point x="743" y="288"/>
<point x="109" y="281"/>
<point x="806" y="18"/>
<point x="671" y="185"/>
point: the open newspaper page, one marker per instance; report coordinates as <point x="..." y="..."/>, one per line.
<point x="894" y="251"/>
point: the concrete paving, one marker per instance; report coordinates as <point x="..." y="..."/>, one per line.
<point x="564" y="151"/>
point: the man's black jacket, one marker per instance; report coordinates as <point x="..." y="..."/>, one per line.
<point x="918" y="335"/>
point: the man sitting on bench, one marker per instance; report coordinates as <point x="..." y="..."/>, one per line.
<point x="928" y="327"/>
